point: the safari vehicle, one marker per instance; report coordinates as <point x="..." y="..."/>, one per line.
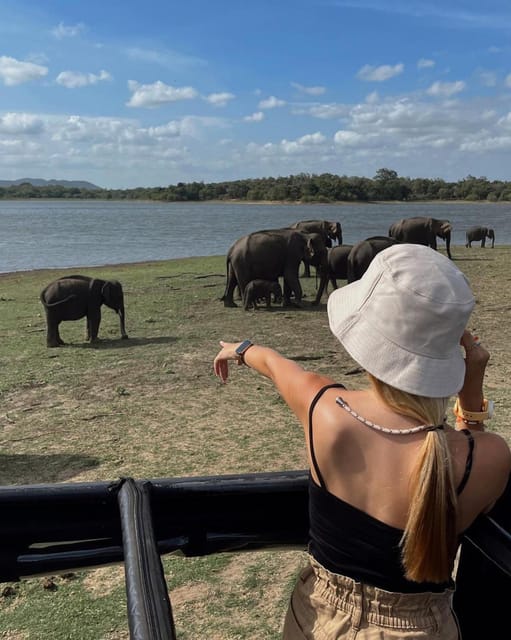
<point x="50" y="528"/>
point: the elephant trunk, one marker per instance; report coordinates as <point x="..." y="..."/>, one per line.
<point x="448" y="243"/>
<point x="339" y="233"/>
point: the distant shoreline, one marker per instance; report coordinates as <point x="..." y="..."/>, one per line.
<point x="141" y="263"/>
<point x="339" y="203"/>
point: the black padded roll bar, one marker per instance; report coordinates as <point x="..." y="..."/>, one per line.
<point x="58" y="527"/>
<point x="149" y="610"/>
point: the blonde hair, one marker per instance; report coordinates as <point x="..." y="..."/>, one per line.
<point x="429" y="542"/>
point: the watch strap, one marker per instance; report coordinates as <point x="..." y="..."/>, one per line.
<point x="472" y="416"/>
<point x="241" y="349"/>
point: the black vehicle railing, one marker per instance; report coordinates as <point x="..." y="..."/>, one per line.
<point x="53" y="528"/>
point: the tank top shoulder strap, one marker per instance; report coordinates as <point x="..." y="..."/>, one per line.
<point x="468" y="463"/>
<point x="311" y="438"/>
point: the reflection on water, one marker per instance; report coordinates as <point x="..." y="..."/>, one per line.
<point x="52" y="234"/>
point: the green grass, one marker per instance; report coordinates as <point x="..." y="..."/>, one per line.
<point x="151" y="407"/>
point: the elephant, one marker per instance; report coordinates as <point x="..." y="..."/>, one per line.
<point x="363" y="252"/>
<point x="423" y="230"/>
<point x="474" y="234"/>
<point x="257" y="290"/>
<point x="337" y="259"/>
<point x="318" y="257"/>
<point x="327" y="229"/>
<point x="269" y="254"/>
<point x="75" y="297"/>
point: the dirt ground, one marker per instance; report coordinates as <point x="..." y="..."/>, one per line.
<point x="151" y="407"/>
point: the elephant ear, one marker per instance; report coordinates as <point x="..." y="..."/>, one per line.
<point x="106" y="291"/>
<point x="111" y="292"/>
<point x="446" y="227"/>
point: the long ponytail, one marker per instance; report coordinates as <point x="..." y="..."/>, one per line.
<point x="429" y="541"/>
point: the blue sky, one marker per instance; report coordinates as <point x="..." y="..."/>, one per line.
<point x="137" y="94"/>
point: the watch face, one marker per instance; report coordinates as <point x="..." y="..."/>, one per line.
<point x="240" y="350"/>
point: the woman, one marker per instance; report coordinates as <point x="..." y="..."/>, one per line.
<point x="392" y="484"/>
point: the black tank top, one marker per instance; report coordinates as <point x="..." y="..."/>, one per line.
<point x="349" y="541"/>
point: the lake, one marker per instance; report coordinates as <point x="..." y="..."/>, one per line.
<point x="38" y="234"/>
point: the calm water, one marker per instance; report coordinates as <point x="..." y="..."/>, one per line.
<point x="53" y="234"/>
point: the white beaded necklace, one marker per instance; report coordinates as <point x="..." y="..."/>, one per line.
<point x="377" y="427"/>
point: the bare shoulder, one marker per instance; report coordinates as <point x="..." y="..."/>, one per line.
<point x="493" y="450"/>
<point x="493" y="461"/>
<point x="300" y="390"/>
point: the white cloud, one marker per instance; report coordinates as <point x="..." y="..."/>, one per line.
<point x="505" y="121"/>
<point x="487" y="78"/>
<point x="303" y="145"/>
<point x="14" y="71"/>
<point x="446" y="89"/>
<point x="486" y="143"/>
<point x="156" y="94"/>
<point x="372" y="97"/>
<point x="312" y="139"/>
<point x="220" y="99"/>
<point x="20" y="123"/>
<point x="163" y="57"/>
<point x="348" y="138"/>
<point x="325" y="111"/>
<point x="258" y="116"/>
<point x="409" y="134"/>
<point x="425" y="63"/>
<point x="271" y="103"/>
<point x="75" y="79"/>
<point x="507" y="81"/>
<point x="311" y="91"/>
<point x="380" y="74"/>
<point x="67" y="31"/>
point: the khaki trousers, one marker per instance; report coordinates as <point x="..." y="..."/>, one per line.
<point x="328" y="606"/>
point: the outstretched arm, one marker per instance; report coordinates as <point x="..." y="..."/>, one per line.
<point x="296" y="385"/>
<point x="471" y="394"/>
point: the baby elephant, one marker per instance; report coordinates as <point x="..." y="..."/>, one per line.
<point x="257" y="290"/>
<point x="75" y="297"/>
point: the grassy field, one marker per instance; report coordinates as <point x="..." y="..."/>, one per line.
<point x="151" y="407"/>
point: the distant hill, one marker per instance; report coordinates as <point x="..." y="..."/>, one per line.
<point x="40" y="182"/>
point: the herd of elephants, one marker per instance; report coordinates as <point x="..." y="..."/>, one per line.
<point x="255" y="263"/>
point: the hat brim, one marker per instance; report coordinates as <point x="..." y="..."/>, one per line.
<point x="385" y="359"/>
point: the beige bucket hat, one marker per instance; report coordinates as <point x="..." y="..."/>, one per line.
<point x="403" y="320"/>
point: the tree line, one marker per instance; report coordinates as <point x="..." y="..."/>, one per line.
<point x="304" y="187"/>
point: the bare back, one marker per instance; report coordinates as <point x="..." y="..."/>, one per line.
<point x="371" y="470"/>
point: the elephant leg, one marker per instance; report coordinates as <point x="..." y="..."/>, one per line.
<point x="292" y="285"/>
<point x="306" y="270"/>
<point x="286" y="294"/>
<point x="483" y="243"/>
<point x="122" y="323"/>
<point x="59" y="339"/>
<point x="93" y="320"/>
<point x="53" y="338"/>
<point x="322" y="286"/>
<point x="232" y="283"/>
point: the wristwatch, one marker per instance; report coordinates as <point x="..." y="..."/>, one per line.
<point x="242" y="349"/>
<point x="474" y="416"/>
